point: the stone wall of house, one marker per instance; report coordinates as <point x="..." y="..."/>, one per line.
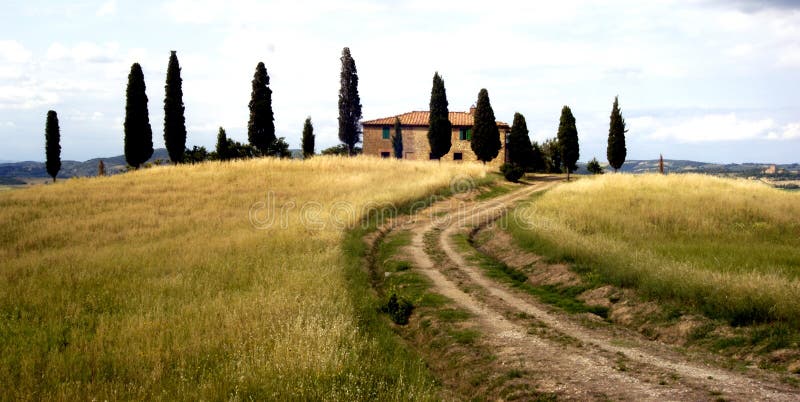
<point x="416" y="147"/>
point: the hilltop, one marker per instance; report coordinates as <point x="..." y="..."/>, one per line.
<point x="686" y="166"/>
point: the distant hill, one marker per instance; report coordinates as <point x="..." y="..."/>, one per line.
<point x="683" y="166"/>
<point x="114" y="164"/>
<point x="17" y="172"/>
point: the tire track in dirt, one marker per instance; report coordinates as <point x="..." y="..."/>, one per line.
<point x="589" y="370"/>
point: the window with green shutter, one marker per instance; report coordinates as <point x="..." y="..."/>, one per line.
<point x="464" y="134"/>
<point x="386" y="133"/>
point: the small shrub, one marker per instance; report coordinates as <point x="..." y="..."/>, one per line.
<point x="594" y="167"/>
<point x="512" y="172"/>
<point x="399" y="309"/>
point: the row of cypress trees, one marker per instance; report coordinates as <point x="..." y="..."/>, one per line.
<point x="139" y="136"/>
<point x="564" y="150"/>
<point x="485" y="141"/>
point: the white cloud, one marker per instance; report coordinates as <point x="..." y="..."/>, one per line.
<point x="740" y="50"/>
<point x="12" y="51"/>
<point x="788" y="132"/>
<point x="26" y="96"/>
<point x="194" y="11"/>
<point x="789" y="56"/>
<point x="84" y="52"/>
<point x="713" y="127"/>
<point x="106" y="9"/>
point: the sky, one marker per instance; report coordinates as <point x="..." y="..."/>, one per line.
<point x="706" y="80"/>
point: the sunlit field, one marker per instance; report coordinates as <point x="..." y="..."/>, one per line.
<point x="729" y="247"/>
<point x="176" y="283"/>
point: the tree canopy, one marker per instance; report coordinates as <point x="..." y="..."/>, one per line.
<point x="138" y="134"/>
<point x="223" y="146"/>
<point x="439" y="127"/>
<point x="485" y="134"/>
<point x="397" y="139"/>
<point x="594" y="167"/>
<point x="261" y="127"/>
<point x="174" y="119"/>
<point x="308" y="138"/>
<point x="568" y="141"/>
<point x="349" y="103"/>
<point x="52" y="147"/>
<point x="616" y="151"/>
<point x="519" y="148"/>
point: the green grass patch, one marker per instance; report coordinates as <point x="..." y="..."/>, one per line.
<point x="495" y="190"/>
<point x="452" y="315"/>
<point x="563" y="297"/>
<point x="464" y="336"/>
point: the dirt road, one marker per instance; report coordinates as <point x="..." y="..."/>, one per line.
<point x="558" y="352"/>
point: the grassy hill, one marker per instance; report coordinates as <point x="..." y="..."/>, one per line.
<point x="183" y="283"/>
<point x="729" y="248"/>
<point x="20" y="171"/>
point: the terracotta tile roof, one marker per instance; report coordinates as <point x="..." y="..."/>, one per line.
<point x="421" y="118"/>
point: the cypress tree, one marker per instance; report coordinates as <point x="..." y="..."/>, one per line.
<point x="439" y="128"/>
<point x="568" y="141"/>
<point x="138" y="134"/>
<point x="101" y="168"/>
<point x="397" y="139"/>
<point x="349" y="104"/>
<point x="223" y="145"/>
<point x="519" y="148"/>
<point x="308" y="138"/>
<point x="52" y="144"/>
<point x="174" y="120"/>
<point x="616" y="150"/>
<point x="261" y="127"/>
<point x="485" y="134"/>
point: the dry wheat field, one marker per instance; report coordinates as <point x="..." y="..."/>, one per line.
<point x="177" y="282"/>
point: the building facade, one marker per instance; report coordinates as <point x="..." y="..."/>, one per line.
<point x="378" y="137"/>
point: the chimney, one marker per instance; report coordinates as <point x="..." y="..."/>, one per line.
<point x="472" y="110"/>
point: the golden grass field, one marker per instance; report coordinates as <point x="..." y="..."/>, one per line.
<point x="155" y="285"/>
<point x="729" y="247"/>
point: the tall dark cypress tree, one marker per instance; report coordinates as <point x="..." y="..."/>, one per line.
<point x="52" y="144"/>
<point x="568" y="141"/>
<point x="616" y="151"/>
<point x="349" y="103"/>
<point x="261" y="127"/>
<point x="174" y="120"/>
<point x="439" y="126"/>
<point x="520" y="150"/>
<point x="223" y="146"/>
<point x="397" y="139"/>
<point x="138" y="134"/>
<point x="485" y="135"/>
<point x="308" y="138"/>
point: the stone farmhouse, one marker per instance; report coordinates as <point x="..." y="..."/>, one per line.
<point x="378" y="137"/>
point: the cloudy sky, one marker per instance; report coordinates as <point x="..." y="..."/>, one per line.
<point x="707" y="80"/>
